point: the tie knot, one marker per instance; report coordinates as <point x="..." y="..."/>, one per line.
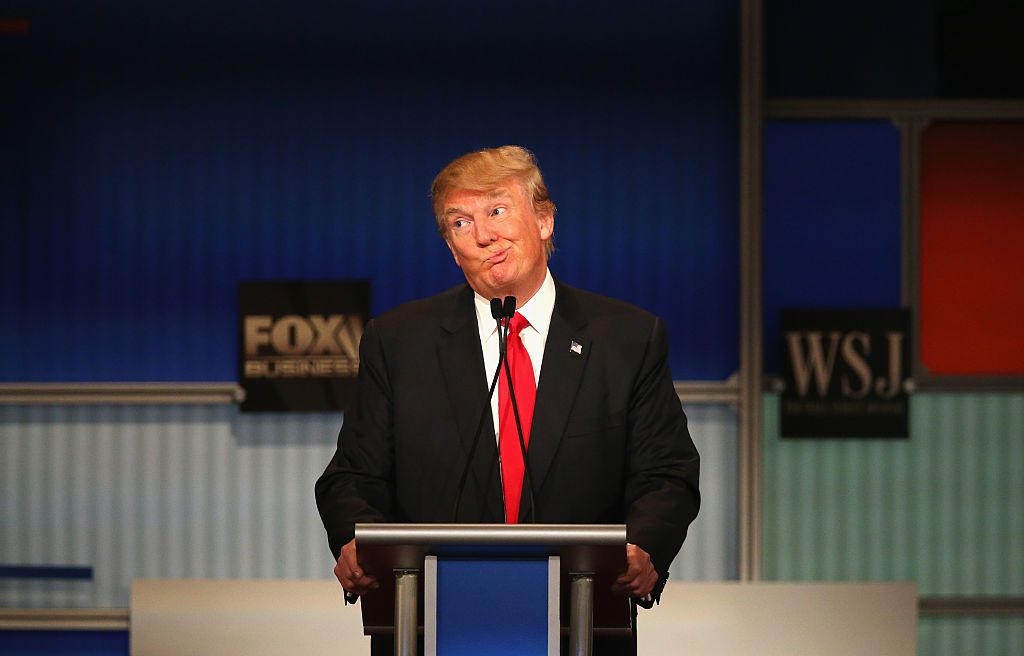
<point x="518" y="323"/>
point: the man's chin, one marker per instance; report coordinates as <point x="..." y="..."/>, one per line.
<point x="497" y="280"/>
<point x="489" y="288"/>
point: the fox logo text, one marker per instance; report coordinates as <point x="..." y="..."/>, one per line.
<point x="298" y="343"/>
<point x="294" y="346"/>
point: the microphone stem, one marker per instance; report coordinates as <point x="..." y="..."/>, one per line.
<point x="522" y="442"/>
<point x="479" y="428"/>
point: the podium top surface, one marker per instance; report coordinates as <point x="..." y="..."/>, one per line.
<point x="512" y="535"/>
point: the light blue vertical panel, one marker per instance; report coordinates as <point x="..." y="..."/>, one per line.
<point x="980" y="636"/>
<point x="944" y="508"/>
<point x="204" y="491"/>
<point x="710" y="552"/>
<point x="158" y="491"/>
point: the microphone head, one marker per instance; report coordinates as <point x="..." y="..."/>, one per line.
<point x="510" y="307"/>
<point x="496" y="309"/>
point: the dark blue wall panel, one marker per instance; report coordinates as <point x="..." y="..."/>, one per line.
<point x="161" y="154"/>
<point x="867" y="49"/>
<point x="832" y="229"/>
<point x="908" y="49"/>
<point x="64" y="643"/>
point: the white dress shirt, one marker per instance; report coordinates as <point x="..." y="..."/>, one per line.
<point x="537" y="311"/>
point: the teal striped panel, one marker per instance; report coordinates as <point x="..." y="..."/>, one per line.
<point x="957" y="636"/>
<point x="944" y="508"/>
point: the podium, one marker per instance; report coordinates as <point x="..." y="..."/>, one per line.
<point x="474" y="588"/>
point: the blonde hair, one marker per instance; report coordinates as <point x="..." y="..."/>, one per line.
<point x="487" y="169"/>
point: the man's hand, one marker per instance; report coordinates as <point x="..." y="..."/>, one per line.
<point x="640" y="576"/>
<point x="350" y="574"/>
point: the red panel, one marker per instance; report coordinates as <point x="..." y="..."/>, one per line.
<point x="13" y="26"/>
<point x="972" y="248"/>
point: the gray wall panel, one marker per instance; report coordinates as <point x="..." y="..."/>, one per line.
<point x="158" y="491"/>
<point x="202" y="491"/>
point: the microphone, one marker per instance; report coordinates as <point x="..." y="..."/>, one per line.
<point x="498" y="313"/>
<point x="509" y="311"/>
<point x="508" y="308"/>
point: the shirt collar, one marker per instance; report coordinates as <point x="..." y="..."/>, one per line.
<point x="537" y="311"/>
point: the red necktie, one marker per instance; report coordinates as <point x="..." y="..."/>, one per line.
<point x="526" y="395"/>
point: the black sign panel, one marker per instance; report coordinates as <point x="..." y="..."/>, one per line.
<point x="846" y="373"/>
<point x="299" y="343"/>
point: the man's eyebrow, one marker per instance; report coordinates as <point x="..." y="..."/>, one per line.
<point x="497" y="193"/>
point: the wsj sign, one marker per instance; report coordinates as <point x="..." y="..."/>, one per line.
<point x="845" y="372"/>
<point x="299" y="343"/>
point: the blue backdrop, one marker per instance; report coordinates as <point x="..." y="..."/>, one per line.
<point x="832" y="227"/>
<point x="160" y="154"/>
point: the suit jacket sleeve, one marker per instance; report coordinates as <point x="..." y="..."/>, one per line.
<point x="661" y="494"/>
<point x="358" y="484"/>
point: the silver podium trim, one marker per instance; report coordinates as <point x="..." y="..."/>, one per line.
<point x="485" y="534"/>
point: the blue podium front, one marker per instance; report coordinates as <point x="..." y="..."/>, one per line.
<point x="490" y="606"/>
<point x="485" y="589"/>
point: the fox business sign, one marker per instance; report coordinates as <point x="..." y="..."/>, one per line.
<point x="299" y="343"/>
<point x="846" y="373"/>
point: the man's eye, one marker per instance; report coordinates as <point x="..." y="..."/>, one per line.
<point x="460" y="223"/>
<point x="498" y="210"/>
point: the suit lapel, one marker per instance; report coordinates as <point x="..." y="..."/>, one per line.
<point x="462" y="363"/>
<point x="565" y="357"/>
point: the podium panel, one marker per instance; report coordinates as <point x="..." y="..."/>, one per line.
<point x="469" y="621"/>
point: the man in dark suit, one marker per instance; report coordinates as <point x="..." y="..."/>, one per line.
<point x="607" y="440"/>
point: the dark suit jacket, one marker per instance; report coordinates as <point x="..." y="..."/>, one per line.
<point x="609" y="442"/>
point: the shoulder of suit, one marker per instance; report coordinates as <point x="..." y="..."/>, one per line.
<point x="597" y="307"/>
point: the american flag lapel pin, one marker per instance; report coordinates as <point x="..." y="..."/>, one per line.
<point x="576" y="348"/>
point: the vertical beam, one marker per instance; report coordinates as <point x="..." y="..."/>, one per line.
<point x="407" y="583"/>
<point x="751" y="357"/>
<point x="430" y="606"/>
<point x="554" y="605"/>
<point x="581" y="614"/>
<point x="910" y="190"/>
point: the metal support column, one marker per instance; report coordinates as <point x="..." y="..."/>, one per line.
<point x="581" y="614"/>
<point x="751" y="358"/>
<point x="406" y="613"/>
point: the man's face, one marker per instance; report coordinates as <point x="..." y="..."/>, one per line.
<point x="498" y="240"/>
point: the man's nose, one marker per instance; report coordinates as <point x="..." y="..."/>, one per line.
<point x="484" y="232"/>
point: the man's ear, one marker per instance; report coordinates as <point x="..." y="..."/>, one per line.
<point x="547" y="225"/>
